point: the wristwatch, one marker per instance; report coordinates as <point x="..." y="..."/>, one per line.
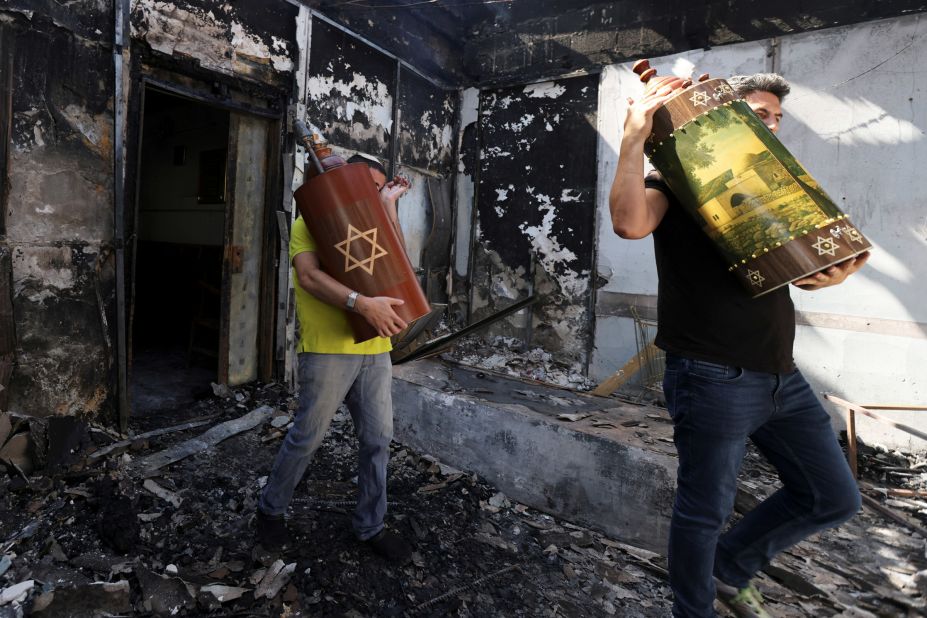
<point x="352" y="300"/>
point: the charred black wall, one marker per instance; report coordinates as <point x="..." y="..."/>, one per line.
<point x="535" y="199"/>
<point x="57" y="165"/>
<point x="427" y="117"/>
<point x="58" y="203"/>
<point x="251" y="40"/>
<point x="355" y="92"/>
<point x="350" y="91"/>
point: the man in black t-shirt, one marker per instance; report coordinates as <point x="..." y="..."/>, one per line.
<point x="729" y="376"/>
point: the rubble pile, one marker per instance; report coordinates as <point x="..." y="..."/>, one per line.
<point x="162" y="524"/>
<point x="110" y="536"/>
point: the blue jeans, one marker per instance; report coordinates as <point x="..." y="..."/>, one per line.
<point x="715" y="409"/>
<point x="364" y="383"/>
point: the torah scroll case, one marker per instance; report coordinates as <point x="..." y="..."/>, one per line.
<point x="765" y="213"/>
<point x="356" y="242"/>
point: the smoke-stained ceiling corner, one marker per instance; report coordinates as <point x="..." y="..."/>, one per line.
<point x="467" y="42"/>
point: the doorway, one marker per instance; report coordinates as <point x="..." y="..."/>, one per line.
<point x="200" y="307"/>
<point x="175" y="317"/>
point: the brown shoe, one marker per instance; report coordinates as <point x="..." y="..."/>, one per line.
<point x="390" y="546"/>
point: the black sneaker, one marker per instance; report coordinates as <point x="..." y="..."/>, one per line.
<point x="390" y="546"/>
<point x="272" y="533"/>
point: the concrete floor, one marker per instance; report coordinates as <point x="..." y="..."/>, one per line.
<point x="162" y="380"/>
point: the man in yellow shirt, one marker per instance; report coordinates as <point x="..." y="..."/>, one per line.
<point x="333" y="369"/>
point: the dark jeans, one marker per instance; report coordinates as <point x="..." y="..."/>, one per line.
<point x="715" y="409"/>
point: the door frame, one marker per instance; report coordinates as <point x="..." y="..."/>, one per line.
<point x="225" y="93"/>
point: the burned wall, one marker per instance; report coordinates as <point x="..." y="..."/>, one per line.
<point x="350" y="91"/>
<point x="535" y="210"/>
<point x="253" y="40"/>
<point x="427" y="116"/>
<point x="57" y="210"/>
<point x="57" y="161"/>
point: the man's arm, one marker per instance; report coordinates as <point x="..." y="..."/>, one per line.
<point x="378" y="310"/>
<point x="636" y="211"/>
<point x="832" y="275"/>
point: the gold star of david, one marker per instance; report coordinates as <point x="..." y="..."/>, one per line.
<point x="853" y="234"/>
<point x="722" y="90"/>
<point x="755" y="277"/>
<point x="826" y="245"/>
<point x="699" y="98"/>
<point x="376" y="251"/>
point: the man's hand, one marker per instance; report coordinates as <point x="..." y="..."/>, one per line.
<point x="379" y="313"/>
<point x="833" y="275"/>
<point x="393" y="190"/>
<point x="639" y="121"/>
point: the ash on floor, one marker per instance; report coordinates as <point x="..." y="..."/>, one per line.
<point x="98" y="539"/>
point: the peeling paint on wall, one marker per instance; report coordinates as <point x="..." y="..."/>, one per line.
<point x="427" y="121"/>
<point x="350" y="91"/>
<point x="536" y="234"/>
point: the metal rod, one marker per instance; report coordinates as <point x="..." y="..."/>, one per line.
<point x="860" y="409"/>
<point x="900" y="407"/>
<point x="455" y="591"/>
<point x="440" y="342"/>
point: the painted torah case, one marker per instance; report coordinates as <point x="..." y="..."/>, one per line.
<point x="356" y="243"/>
<point x="768" y="217"/>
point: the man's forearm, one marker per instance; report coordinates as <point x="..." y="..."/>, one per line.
<point x="627" y="200"/>
<point x="325" y="287"/>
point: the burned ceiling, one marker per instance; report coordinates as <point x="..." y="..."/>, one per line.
<point x="484" y="42"/>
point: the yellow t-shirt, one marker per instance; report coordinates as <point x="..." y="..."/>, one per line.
<point x="324" y="329"/>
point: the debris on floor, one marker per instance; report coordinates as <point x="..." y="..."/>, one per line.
<point x="106" y="535"/>
<point x="512" y="357"/>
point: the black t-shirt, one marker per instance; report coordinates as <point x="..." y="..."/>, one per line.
<point x="703" y="310"/>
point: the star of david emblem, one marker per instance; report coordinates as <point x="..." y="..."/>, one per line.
<point x="826" y="245"/>
<point x="355" y="235"/>
<point x="755" y="277"/>
<point x="699" y="98"/>
<point x="853" y="234"/>
<point x="722" y="90"/>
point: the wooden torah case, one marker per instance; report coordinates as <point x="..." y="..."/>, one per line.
<point x="357" y="244"/>
<point x="768" y="217"/>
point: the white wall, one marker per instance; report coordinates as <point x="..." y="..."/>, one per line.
<point x="856" y="119"/>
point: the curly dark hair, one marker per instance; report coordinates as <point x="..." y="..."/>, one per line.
<point x="762" y="82"/>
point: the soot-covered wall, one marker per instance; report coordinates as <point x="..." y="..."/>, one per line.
<point x="350" y="91"/>
<point x="535" y="202"/>
<point x="57" y="213"/>
<point x="57" y="105"/>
